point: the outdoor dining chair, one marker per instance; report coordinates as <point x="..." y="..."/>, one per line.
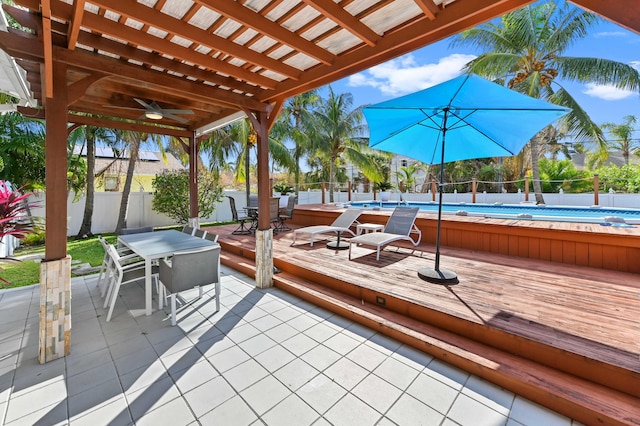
<point x="286" y="215"/>
<point x="211" y="237"/>
<point x="187" y="270"/>
<point x="125" y="271"/>
<point x="200" y="233"/>
<point x="242" y="229"/>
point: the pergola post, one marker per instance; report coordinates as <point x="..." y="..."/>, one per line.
<point x="264" y="233"/>
<point x="194" y="144"/>
<point x="55" y="269"/>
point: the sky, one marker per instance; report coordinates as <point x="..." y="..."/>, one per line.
<point x="439" y="62"/>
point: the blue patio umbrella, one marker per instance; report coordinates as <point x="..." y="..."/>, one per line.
<point x="463" y="118"/>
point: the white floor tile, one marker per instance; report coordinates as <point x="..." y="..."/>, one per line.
<point x="529" y="413"/>
<point x="232" y="412"/>
<point x="274" y="358"/>
<point x="432" y="392"/>
<point x="265" y="394"/>
<point x="244" y="375"/>
<point x="346" y="373"/>
<point x="350" y="411"/>
<point x="209" y="395"/>
<point x="468" y="411"/>
<point x="296" y="374"/>
<point x="397" y="373"/>
<point x="409" y="411"/>
<point x="321" y="393"/>
<point x="293" y="411"/>
<point x="378" y="393"/>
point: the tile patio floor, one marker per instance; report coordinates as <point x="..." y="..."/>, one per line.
<point x="265" y="358"/>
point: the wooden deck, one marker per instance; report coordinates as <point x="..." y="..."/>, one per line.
<point x="564" y="336"/>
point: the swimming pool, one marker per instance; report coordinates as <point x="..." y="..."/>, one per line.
<point x="603" y="215"/>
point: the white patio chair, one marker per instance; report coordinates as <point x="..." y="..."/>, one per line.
<point x="125" y="271"/>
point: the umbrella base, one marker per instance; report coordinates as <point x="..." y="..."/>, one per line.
<point x="441" y="276"/>
<point x="338" y="245"/>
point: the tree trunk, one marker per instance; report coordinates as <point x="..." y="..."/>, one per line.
<point x="247" y="172"/>
<point x="134" y="146"/>
<point x="331" y="178"/>
<point x="535" y="169"/>
<point x="85" y="227"/>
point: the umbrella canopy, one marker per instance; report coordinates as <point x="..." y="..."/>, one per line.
<point x="483" y="119"/>
<point x="463" y="118"/>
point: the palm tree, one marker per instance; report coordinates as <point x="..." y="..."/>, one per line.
<point x="623" y="132"/>
<point x="407" y="175"/>
<point x="88" y="136"/>
<point x="525" y="49"/>
<point x="133" y="141"/>
<point x="294" y="120"/>
<point x="22" y="151"/>
<point x="336" y="135"/>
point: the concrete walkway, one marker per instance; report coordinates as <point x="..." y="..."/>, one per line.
<point x="266" y="358"/>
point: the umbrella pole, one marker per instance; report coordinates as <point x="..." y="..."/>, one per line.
<point x="437" y="275"/>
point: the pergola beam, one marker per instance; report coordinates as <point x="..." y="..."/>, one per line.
<point x="333" y="11"/>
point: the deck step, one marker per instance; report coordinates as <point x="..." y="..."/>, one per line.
<point x="574" y="397"/>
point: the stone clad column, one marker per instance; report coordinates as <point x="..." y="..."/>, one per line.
<point x="55" y="309"/>
<point x="264" y="258"/>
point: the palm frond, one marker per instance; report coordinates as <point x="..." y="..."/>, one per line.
<point x="599" y="71"/>
<point x="578" y="121"/>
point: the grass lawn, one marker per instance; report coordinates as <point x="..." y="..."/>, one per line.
<point x="27" y="272"/>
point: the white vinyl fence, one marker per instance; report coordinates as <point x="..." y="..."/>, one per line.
<point x="107" y="205"/>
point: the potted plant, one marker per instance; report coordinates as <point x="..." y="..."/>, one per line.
<point x="283" y="188"/>
<point x="384" y="188"/>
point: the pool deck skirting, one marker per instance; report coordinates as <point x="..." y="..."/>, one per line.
<point x="580" y="244"/>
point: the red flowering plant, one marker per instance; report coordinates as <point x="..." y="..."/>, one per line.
<point x="14" y="215"/>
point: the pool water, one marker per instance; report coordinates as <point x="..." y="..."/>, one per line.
<point x="604" y="215"/>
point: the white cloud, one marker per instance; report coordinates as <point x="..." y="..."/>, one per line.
<point x="404" y="75"/>
<point x="608" y="93"/>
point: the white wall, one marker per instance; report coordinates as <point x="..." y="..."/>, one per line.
<point x="107" y="204"/>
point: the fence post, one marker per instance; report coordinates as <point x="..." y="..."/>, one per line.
<point x="526" y="188"/>
<point x="474" y="187"/>
<point x="322" y="192"/>
<point x="433" y="190"/>
<point x="596" y="189"/>
<point x="349" y="191"/>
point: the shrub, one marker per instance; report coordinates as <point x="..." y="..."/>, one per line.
<point x="620" y="179"/>
<point x="171" y="194"/>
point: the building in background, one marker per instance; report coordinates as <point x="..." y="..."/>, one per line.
<point x="111" y="169"/>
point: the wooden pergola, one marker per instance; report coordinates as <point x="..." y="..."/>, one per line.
<point x="129" y="62"/>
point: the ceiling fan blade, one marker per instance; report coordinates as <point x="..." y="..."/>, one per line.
<point x="174" y="117"/>
<point x="177" y="111"/>
<point x="121" y="107"/>
<point x="143" y="103"/>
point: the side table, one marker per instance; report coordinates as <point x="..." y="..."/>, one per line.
<point x="369" y="227"/>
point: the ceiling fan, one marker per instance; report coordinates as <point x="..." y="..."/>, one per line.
<point x="154" y="111"/>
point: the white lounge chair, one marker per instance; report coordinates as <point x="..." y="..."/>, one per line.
<point x="343" y="223"/>
<point x="399" y="227"/>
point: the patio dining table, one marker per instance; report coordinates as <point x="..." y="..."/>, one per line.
<point x="157" y="245"/>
